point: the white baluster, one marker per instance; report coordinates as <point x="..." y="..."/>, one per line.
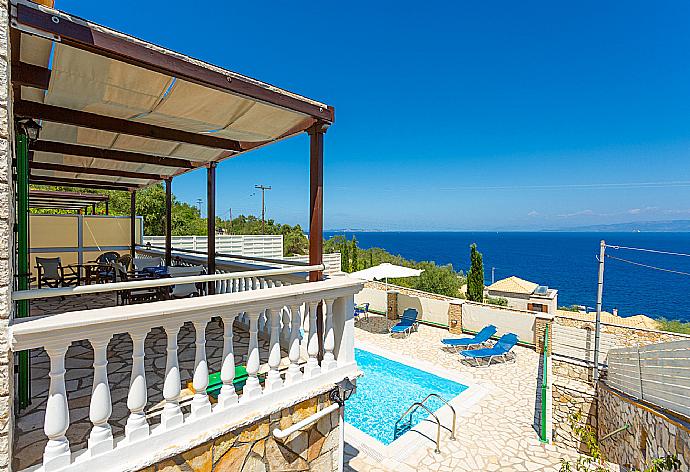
<point x="262" y="322"/>
<point x="137" y="428"/>
<point x="270" y="283"/>
<point x="329" y="362"/>
<point x="252" y="388"/>
<point x="101" y="407"/>
<point x="285" y="331"/>
<point x="273" y="380"/>
<point x="294" y="374"/>
<point x="227" y="396"/>
<point x="201" y="406"/>
<point x="278" y="283"/>
<point x="172" y="414"/>
<point x="312" y="369"/>
<point x="256" y="285"/>
<point x="56" y="453"/>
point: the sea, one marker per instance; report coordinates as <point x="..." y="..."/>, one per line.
<point x="635" y="281"/>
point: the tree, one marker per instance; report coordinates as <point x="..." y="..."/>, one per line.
<point x="475" y="276"/>
<point x="442" y="280"/>
<point x="345" y="256"/>
<point x="355" y="265"/>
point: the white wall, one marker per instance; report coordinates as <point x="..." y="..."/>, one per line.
<point x="429" y="309"/>
<point x="476" y="315"/>
<point x="269" y="246"/>
<point x="377" y="299"/>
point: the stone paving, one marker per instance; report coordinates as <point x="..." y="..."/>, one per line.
<point x="497" y="433"/>
<point x="29" y="437"/>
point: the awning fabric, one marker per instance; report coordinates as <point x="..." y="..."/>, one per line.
<point x="86" y="81"/>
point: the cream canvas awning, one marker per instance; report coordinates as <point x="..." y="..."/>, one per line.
<point x="122" y="112"/>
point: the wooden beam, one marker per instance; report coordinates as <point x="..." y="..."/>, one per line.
<point x="109" y="154"/>
<point x="168" y="222"/>
<point x="99" y="40"/>
<point x="62" y="182"/>
<point x="84" y="119"/>
<point x="30" y="75"/>
<point x="53" y="194"/>
<point x="316" y="134"/>
<point x="94" y="171"/>
<point x="211" y="223"/>
<point x="132" y="225"/>
<point x="15" y="50"/>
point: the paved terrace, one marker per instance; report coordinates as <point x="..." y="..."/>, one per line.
<point x="29" y="437"/>
<point x="497" y="433"/>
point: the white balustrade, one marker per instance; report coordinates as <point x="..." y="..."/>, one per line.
<point x="100" y="408"/>
<point x="201" y="405"/>
<point x="137" y="428"/>
<point x="57" y="452"/>
<point x="172" y="413"/>
<point x="329" y="362"/>
<point x="284" y="307"/>
<point x="228" y="396"/>
<point x="311" y="369"/>
<point x="294" y="374"/>
<point x="273" y="380"/>
<point x="252" y="388"/>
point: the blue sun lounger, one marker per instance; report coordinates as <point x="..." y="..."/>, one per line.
<point x="501" y="349"/>
<point x="479" y="339"/>
<point x="407" y="323"/>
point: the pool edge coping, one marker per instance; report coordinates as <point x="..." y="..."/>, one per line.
<point x="395" y="453"/>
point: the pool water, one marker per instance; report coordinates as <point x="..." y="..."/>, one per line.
<point x="386" y="390"/>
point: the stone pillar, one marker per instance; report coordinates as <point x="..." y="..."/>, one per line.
<point x="7" y="219"/>
<point x="540" y="324"/>
<point x="392" y="304"/>
<point x="455" y="317"/>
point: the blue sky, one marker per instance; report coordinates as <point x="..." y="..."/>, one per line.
<point x="452" y="115"/>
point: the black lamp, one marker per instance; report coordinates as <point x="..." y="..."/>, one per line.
<point x="343" y="391"/>
<point x="29" y="127"/>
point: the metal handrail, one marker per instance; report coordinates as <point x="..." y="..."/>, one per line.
<point x="436" y="395"/>
<point x="438" y="423"/>
<point x="544" y="386"/>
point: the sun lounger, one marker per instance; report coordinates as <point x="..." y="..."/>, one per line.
<point x="465" y="343"/>
<point x="408" y="322"/>
<point x="501" y="349"/>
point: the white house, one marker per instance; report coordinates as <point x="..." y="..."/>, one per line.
<point x="525" y="295"/>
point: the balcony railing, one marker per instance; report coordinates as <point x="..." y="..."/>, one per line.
<point x="279" y="311"/>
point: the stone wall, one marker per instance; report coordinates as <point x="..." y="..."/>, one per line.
<point x="652" y="433"/>
<point x="6" y="242"/>
<point x="570" y="370"/>
<point x="254" y="449"/>
<point x="569" y="397"/>
<point x="625" y="335"/>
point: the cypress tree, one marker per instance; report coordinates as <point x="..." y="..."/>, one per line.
<point x="355" y="264"/>
<point x="345" y="256"/>
<point x="475" y="276"/>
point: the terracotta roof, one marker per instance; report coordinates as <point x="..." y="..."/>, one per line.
<point x="514" y="285"/>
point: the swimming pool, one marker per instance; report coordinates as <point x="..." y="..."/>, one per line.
<point x="387" y="389"/>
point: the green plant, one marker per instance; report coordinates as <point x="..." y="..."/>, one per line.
<point x="594" y="462"/>
<point x="500" y="301"/>
<point x="355" y="250"/>
<point x="475" y="276"/>
<point x="345" y="256"/>
<point x="569" y="308"/>
<point x="674" y="326"/>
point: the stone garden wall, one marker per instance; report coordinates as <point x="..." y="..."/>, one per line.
<point x="254" y="449"/>
<point x="653" y="433"/>
<point x="569" y="397"/>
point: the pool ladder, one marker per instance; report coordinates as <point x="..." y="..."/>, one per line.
<point x="416" y="405"/>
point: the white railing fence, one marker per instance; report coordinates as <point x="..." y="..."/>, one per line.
<point x="259" y="245"/>
<point x="657" y="373"/>
<point x="578" y="344"/>
<point x="278" y="311"/>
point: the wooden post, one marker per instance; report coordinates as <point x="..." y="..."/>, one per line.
<point x="132" y="223"/>
<point x="316" y="134"/>
<point x="107" y="208"/>
<point x="168" y="221"/>
<point x="211" y="223"/>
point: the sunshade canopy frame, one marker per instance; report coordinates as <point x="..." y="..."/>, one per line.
<point x="57" y="200"/>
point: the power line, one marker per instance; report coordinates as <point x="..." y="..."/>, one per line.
<point x="649" y="250"/>
<point x="647" y="265"/>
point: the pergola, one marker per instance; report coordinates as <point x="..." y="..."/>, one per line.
<point x="119" y="113"/>
<point x="56" y="200"/>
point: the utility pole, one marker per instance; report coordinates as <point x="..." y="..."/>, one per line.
<point x="199" y="201"/>
<point x="230" y="220"/>
<point x="263" y="189"/>
<point x="597" y="325"/>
